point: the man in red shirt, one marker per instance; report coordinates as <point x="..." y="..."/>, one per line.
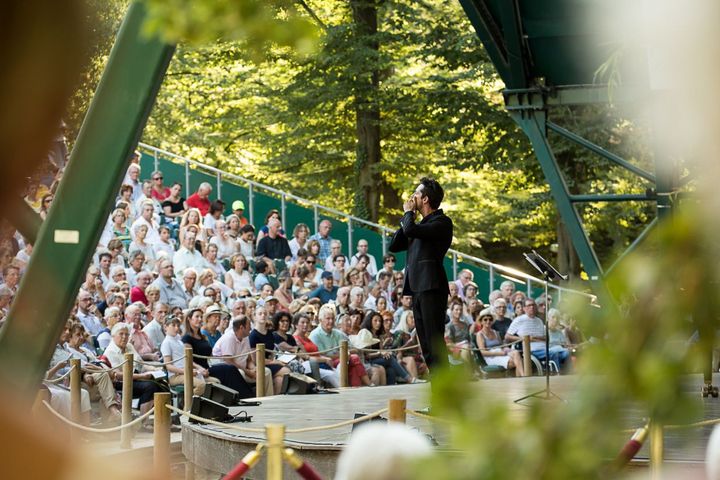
<point x="201" y="199"/>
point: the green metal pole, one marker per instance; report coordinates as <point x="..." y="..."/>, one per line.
<point x="67" y="239"/>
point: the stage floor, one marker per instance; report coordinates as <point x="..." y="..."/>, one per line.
<point x="218" y="449"/>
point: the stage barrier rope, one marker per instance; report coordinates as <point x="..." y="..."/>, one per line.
<point x="98" y="430"/>
<point x="61" y="377"/>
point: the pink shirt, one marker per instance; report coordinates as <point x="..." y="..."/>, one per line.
<point x="230" y="345"/>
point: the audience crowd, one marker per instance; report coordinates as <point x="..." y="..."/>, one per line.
<point x="171" y="272"/>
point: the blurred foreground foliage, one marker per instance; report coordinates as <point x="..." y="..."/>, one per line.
<point x="639" y="360"/>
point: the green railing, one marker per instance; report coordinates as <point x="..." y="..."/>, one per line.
<point x="260" y="198"/>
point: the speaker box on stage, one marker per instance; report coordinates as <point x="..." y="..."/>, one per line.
<point x="221" y="394"/>
<point x="210" y="409"/>
<point x="298" y="384"/>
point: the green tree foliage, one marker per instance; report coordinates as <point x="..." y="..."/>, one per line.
<point x="252" y="104"/>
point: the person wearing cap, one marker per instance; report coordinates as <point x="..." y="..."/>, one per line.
<point x="211" y="321"/>
<point x="489" y="341"/>
<point x="238" y="208"/>
<point x="270" y="303"/>
<point x="327" y="291"/>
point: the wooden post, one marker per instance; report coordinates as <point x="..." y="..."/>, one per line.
<point x="189" y="470"/>
<point x="275" y="443"/>
<point x="260" y="372"/>
<point x="527" y="353"/>
<point x="343" y="364"/>
<point x="39" y="409"/>
<point x="75" y="395"/>
<point x="127" y="388"/>
<point x="396" y="410"/>
<point x="188" y="394"/>
<point x="657" y="450"/>
<point x="161" y="436"/>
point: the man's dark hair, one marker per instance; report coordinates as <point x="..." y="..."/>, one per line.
<point x="217" y="206"/>
<point x="433" y="191"/>
<point x="387" y="257"/>
<point x="104" y="254"/>
<point x="261" y="266"/>
<point x="360" y="257"/>
<point x="239" y="321"/>
<point x="247" y="228"/>
<point x="335" y="258"/>
<point x="384" y="274"/>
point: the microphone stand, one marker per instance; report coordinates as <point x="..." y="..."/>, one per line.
<point x="548" y="273"/>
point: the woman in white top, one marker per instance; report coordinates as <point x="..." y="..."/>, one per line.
<point x="173" y="351"/>
<point x="300" y="235"/>
<point x="238" y="277"/>
<point x="226" y="245"/>
<point x="192" y="217"/>
<point x="141" y="232"/>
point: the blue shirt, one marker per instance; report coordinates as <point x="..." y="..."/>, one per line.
<point x="327" y="341"/>
<point x="324" y="294"/>
<point x="324" y="247"/>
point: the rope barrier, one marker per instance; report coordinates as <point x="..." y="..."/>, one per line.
<point x="98" y="430"/>
<point x="224" y="357"/>
<point x="105" y="370"/>
<point x="159" y="364"/>
<point x="505" y="345"/>
<point x="415" y="413"/>
<point x="62" y="377"/>
<point x="295" y="430"/>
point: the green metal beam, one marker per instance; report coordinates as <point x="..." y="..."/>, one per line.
<point x="67" y="239"/>
<point x="517" y="53"/>
<point x="490" y="34"/>
<point x="576" y="95"/>
<point x="24" y="218"/>
<point x="640" y="238"/>
<point x="600" y="151"/>
<point x="625" y="197"/>
<point x="533" y="124"/>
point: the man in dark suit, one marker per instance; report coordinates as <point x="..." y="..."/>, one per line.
<point x="426" y="242"/>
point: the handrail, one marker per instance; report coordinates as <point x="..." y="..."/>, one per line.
<point x="350" y="218"/>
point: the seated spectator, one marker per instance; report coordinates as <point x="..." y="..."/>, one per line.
<point x="146" y="198"/>
<point x="190" y="219"/>
<point x="226" y="245"/>
<point x="137" y="293"/>
<point x="354" y="278"/>
<point x="284" y="291"/>
<point x="233" y="226"/>
<point x="457" y="336"/>
<point x="93" y="284"/>
<point x="174" y="206"/>
<point x="155" y="329"/>
<point x="374" y="292"/>
<point x="489" y="341"/>
<point x="238" y="208"/>
<point x="335" y="250"/>
<point x="187" y="256"/>
<point x="362" y="249"/>
<point x="144" y="388"/>
<point x="342" y="300"/>
<point x="529" y="324"/>
<point x="246" y="242"/>
<point x="501" y="322"/>
<point x="139" y="339"/>
<point x="470" y="291"/>
<point x="273" y="246"/>
<point x="261" y="267"/>
<point x="159" y="191"/>
<point x="146" y="218"/>
<point x="388" y="265"/>
<point x="87" y="313"/>
<point x="201" y="199"/>
<point x="300" y="237"/>
<point x="208" y="279"/>
<point x="96" y="377"/>
<point x="152" y="293"/>
<point x="112" y="316"/>
<point x="338" y="270"/>
<point x="226" y="373"/>
<point x="328" y="338"/>
<point x="165" y="247"/>
<point x="137" y="265"/>
<point x="171" y="292"/>
<point x="405" y="336"/>
<point x="211" y="319"/>
<point x="559" y="341"/>
<point x="117" y="252"/>
<point x="328" y="291"/>
<point x="173" y="352"/>
<point x="238" y="276"/>
<point x="212" y="217"/>
<point x="211" y="260"/>
<point x="189" y="282"/>
<point x="404" y="306"/>
<point x="260" y="334"/>
<point x="395" y="372"/>
<point x="357" y="299"/>
<point x="362" y="268"/>
<point x="234" y="343"/>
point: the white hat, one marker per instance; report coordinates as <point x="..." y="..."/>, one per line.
<point x="363" y="339"/>
<point x="212" y="310"/>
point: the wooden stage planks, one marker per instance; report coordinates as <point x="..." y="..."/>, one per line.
<point x="218" y="449"/>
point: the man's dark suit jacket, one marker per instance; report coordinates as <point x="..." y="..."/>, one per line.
<point x="427" y="243"/>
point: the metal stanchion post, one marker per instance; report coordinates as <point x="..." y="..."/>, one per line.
<point x="75" y="379"/>
<point x="396" y="410"/>
<point x="260" y="374"/>
<point x="275" y="442"/>
<point x="127" y="388"/>
<point x="188" y="393"/>
<point x="657" y="450"/>
<point x="161" y="436"/>
<point x="527" y="353"/>
<point x="343" y="364"/>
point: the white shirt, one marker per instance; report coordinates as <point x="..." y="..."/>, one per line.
<point x="155" y="333"/>
<point x="372" y="266"/>
<point x="185" y="258"/>
<point x="168" y="248"/>
<point x="532" y="326"/>
<point x="90" y="322"/>
<point x="174" y="348"/>
<point x="152" y="236"/>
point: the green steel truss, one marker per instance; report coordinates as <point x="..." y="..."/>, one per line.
<point x="534" y="46"/>
<point x="66" y="240"/>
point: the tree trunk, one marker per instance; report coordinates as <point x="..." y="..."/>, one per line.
<point x="367" y="112"/>
<point x="567" y="258"/>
